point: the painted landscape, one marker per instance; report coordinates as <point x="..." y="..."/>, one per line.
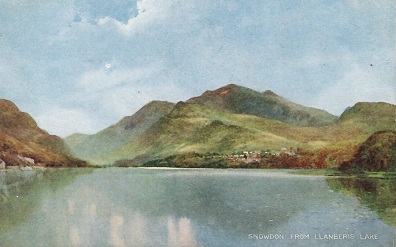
<point x="236" y="127"/>
<point x="253" y="134"/>
<point x="197" y="123"/>
<point x="231" y="127"/>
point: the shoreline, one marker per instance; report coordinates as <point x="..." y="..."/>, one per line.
<point x="298" y="171"/>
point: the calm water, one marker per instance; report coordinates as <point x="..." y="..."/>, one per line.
<point x="178" y="207"/>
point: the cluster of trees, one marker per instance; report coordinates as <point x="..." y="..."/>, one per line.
<point x="189" y="160"/>
<point x="378" y="153"/>
<point x="321" y="159"/>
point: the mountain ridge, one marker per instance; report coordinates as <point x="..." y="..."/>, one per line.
<point x="198" y="126"/>
<point x="268" y="104"/>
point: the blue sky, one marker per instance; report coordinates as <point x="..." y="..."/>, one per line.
<point x="81" y="65"/>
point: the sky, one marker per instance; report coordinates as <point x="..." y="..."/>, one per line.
<point x="82" y="65"/>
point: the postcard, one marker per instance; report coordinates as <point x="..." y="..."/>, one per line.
<point x="197" y="123"/>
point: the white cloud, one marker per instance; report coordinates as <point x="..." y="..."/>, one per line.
<point x="149" y="11"/>
<point x="357" y="85"/>
<point x="77" y="120"/>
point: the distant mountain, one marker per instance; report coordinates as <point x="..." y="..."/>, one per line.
<point x="377" y="153"/>
<point x="23" y="143"/>
<point x="97" y="147"/>
<point x="75" y="139"/>
<point x="243" y="100"/>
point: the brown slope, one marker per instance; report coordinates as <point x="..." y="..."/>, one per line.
<point x="377" y="153"/>
<point x="22" y="141"/>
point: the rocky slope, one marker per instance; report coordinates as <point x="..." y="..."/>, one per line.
<point x="23" y="143"/>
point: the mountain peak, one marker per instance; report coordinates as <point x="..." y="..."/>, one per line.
<point x="231" y="85"/>
<point x="158" y="103"/>
<point x="11" y="117"/>
<point x="239" y="99"/>
<point x="270" y="93"/>
<point x="221" y="91"/>
<point x="6" y="105"/>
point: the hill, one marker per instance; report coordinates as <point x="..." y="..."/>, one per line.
<point x="97" y="147"/>
<point x="374" y="115"/>
<point x="197" y="128"/>
<point x="243" y="100"/>
<point x="377" y="153"/>
<point x="23" y="143"/>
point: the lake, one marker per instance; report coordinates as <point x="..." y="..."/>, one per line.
<point x="193" y="207"/>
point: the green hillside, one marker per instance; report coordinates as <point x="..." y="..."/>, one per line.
<point x="192" y="127"/>
<point x="374" y="116"/>
<point x="200" y="129"/>
<point x="75" y="139"/>
<point x="243" y="100"/>
<point x="96" y="148"/>
<point x="230" y="120"/>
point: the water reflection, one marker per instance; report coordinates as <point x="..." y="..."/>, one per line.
<point x="180" y="233"/>
<point x="138" y="230"/>
<point x="21" y="192"/>
<point x="137" y="207"/>
<point x="116" y="231"/>
<point x="74" y="236"/>
<point x="379" y="194"/>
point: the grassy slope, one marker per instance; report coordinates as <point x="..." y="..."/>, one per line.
<point x="75" y="139"/>
<point x="96" y="148"/>
<point x="243" y="100"/>
<point x="201" y="129"/>
<point x="191" y="127"/>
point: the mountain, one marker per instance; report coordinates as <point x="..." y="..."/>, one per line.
<point x="243" y="100"/>
<point x="377" y="153"/>
<point x="201" y="129"/>
<point x="198" y="128"/>
<point x="23" y="143"/>
<point x="96" y="148"/>
<point x="208" y="124"/>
